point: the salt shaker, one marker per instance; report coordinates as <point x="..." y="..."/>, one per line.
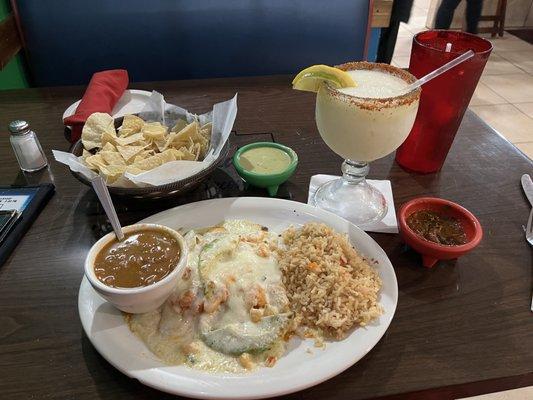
<point x="26" y="146"/>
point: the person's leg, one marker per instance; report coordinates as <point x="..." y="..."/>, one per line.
<point x="473" y="12"/>
<point x="444" y="17"/>
<point x="387" y="42"/>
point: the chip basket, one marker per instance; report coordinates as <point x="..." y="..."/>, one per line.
<point x="168" y="190"/>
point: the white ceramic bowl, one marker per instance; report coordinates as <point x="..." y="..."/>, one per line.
<point x="141" y="299"/>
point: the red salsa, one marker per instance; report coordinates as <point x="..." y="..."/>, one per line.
<point x="437" y="228"/>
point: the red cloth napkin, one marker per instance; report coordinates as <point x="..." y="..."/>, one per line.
<point x="102" y="93"/>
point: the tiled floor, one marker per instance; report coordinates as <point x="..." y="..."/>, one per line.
<point x="504" y="95"/>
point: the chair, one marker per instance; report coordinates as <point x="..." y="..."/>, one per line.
<point x="161" y="40"/>
<point x="498" y="18"/>
<point x="12" y="67"/>
<point x="10" y="43"/>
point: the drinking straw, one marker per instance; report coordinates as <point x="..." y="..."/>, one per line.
<point x="438" y="71"/>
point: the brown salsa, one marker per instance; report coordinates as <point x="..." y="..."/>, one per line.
<point x="141" y="259"/>
<point x="437" y="228"/>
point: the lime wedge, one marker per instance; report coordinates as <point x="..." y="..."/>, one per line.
<point x="312" y="77"/>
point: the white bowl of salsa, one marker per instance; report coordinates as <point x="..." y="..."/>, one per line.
<point x="137" y="274"/>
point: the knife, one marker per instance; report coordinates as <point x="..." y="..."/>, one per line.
<point x="527" y="185"/>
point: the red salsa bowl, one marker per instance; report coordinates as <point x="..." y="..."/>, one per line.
<point x="431" y="251"/>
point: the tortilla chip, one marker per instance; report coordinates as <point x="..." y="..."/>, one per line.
<point x="111" y="173"/>
<point x="190" y="133"/>
<point x="124" y="141"/>
<point x="95" y="162"/>
<point x="152" y="146"/>
<point x="85" y="154"/>
<point x="108" y="147"/>
<point x="148" y="163"/>
<point x="168" y="155"/>
<point x="128" y="152"/>
<point x="206" y="130"/>
<point x="176" y="154"/>
<point x="196" y="149"/>
<point x="108" y="138"/>
<point x="142" y="143"/>
<point x="154" y="131"/>
<point x="160" y="145"/>
<point x="112" y="157"/>
<point x="125" y="132"/>
<point x="169" y="140"/>
<point x="130" y="125"/>
<point x="187" y="155"/>
<point x="203" y="150"/>
<point x="142" y="155"/>
<point x="132" y="169"/>
<point x="180" y="124"/>
<point x="95" y="126"/>
<point x="190" y="137"/>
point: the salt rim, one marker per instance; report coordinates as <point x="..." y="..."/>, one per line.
<point x="369" y="103"/>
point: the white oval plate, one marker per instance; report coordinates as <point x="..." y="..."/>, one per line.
<point x="297" y="369"/>
<point x="131" y="102"/>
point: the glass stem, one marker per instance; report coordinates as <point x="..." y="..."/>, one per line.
<point x="354" y="172"/>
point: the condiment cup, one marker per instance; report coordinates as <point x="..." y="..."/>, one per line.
<point x="432" y="252"/>
<point x="141" y="299"/>
<point x="269" y="181"/>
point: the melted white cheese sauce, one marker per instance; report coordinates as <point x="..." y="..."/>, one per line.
<point x="207" y="322"/>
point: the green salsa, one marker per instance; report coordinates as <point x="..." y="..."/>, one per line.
<point x="265" y="160"/>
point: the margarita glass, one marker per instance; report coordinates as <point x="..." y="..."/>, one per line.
<point x="361" y="124"/>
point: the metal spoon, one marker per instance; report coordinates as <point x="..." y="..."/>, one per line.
<point x="100" y="188"/>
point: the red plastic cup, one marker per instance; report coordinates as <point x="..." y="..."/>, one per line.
<point x="444" y="99"/>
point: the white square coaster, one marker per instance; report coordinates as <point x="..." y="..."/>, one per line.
<point x="388" y="224"/>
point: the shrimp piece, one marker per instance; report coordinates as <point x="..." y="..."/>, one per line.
<point x="256" y="297"/>
<point x="269" y="310"/>
<point x="262" y="250"/>
<point x="256" y="314"/>
<point x="230" y="279"/>
<point x="199" y="307"/>
<point x="186" y="274"/>
<point x="186" y="299"/>
<point x="270" y="361"/>
<point x="246" y="361"/>
<point x="253" y="237"/>
<point x="190" y="348"/>
<point x="215" y="295"/>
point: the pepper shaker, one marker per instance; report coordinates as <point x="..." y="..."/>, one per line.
<point x="26" y="146"/>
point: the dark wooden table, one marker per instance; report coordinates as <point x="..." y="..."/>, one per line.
<point x="462" y="322"/>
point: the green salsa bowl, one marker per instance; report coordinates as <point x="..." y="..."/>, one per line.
<point x="270" y="181"/>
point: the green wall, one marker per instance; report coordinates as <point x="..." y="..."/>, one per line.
<point x="13" y="75"/>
